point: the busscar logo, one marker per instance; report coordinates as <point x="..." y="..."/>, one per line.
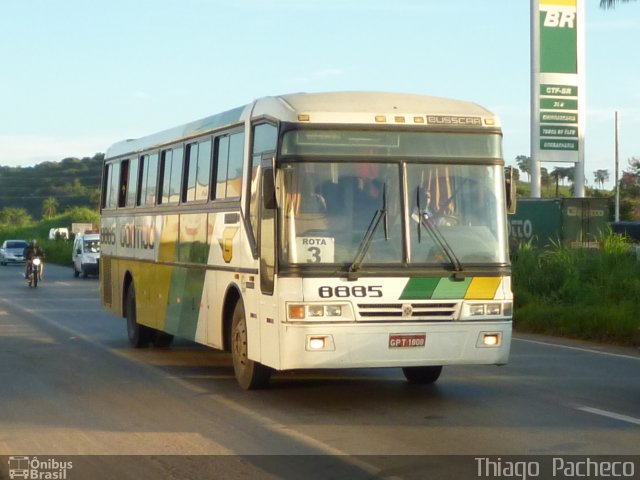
<point x="38" y="469"/>
<point x="454" y="120"/>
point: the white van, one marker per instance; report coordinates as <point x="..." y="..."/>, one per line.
<point x="86" y="254"/>
<point x="56" y="233"/>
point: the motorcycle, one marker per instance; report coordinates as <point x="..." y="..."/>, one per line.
<point x="34" y="272"/>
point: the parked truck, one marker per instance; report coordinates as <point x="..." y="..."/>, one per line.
<point x="572" y="222"/>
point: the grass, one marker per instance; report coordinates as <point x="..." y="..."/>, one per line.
<point x="580" y="293"/>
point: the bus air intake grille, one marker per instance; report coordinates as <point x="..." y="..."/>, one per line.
<point x="441" y="311"/>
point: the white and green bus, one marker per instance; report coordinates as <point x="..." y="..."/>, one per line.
<point x="315" y="231"/>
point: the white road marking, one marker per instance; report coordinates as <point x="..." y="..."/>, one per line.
<point x="579" y="349"/>
<point x="614" y="415"/>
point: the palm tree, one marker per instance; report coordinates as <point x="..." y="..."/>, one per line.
<point x="49" y="207"/>
<point x="601" y="176"/>
<point x="557" y="173"/>
<point x="545" y="178"/>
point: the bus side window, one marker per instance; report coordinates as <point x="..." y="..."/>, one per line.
<point x="219" y="189"/>
<point x="148" y="178"/>
<point x="229" y="162"/>
<point x="152" y="180"/>
<point x="112" y="184"/>
<point x="197" y="168"/>
<point x="171" y="175"/>
<point x="132" y="191"/>
<point x="124" y="183"/>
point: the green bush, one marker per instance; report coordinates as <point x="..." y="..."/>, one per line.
<point x="57" y="251"/>
<point x="582" y="293"/>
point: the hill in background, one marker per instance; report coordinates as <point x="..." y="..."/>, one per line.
<point x="72" y="182"/>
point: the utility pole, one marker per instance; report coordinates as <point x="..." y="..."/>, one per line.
<point x="617" y="210"/>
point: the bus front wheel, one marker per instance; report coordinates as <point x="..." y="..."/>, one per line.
<point x="422" y="375"/>
<point x="139" y="335"/>
<point x="249" y="374"/>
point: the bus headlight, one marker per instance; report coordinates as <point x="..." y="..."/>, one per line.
<point x="320" y="343"/>
<point x="479" y="311"/>
<point x="489" y="339"/>
<point x="297" y="311"/>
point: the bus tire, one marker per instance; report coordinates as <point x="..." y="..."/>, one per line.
<point x="249" y="374"/>
<point x="139" y="335"/>
<point x="422" y="375"/>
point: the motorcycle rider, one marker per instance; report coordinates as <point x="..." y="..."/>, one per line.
<point x="30" y="252"/>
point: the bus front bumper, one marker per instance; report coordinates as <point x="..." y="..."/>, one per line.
<point x="389" y="345"/>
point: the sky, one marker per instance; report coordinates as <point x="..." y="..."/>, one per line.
<point x="79" y="75"/>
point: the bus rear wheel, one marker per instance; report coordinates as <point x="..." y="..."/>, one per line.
<point x="139" y="335"/>
<point x="249" y="374"/>
<point x="422" y="375"/>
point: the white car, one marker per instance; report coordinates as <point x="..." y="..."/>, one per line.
<point x="86" y="254"/>
<point x="12" y="251"/>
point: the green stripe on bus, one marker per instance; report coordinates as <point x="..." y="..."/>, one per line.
<point x="419" y="288"/>
<point x="435" y="288"/>
<point x="448" y="288"/>
<point x="185" y="296"/>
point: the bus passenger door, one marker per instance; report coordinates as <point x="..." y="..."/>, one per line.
<point x="269" y="340"/>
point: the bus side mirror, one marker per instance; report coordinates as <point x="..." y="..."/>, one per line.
<point x="510" y="190"/>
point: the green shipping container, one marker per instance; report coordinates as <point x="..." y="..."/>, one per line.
<point x="574" y="222"/>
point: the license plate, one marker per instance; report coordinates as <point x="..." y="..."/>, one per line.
<point x="411" y="340"/>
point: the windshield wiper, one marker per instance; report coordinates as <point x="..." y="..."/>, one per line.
<point x="435" y="233"/>
<point x="379" y="214"/>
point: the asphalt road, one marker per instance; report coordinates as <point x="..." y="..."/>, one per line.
<point x="70" y="385"/>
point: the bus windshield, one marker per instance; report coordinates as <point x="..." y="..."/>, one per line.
<point x="441" y="213"/>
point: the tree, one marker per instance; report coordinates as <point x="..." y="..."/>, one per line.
<point x="601" y="176"/>
<point x="630" y="181"/>
<point x="557" y="174"/>
<point x="49" y="207"/>
<point x="634" y="166"/>
<point x="545" y="178"/>
<point x="16" y="217"/>
<point x="94" y="199"/>
<point x="524" y="164"/>
<point x="560" y="173"/>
